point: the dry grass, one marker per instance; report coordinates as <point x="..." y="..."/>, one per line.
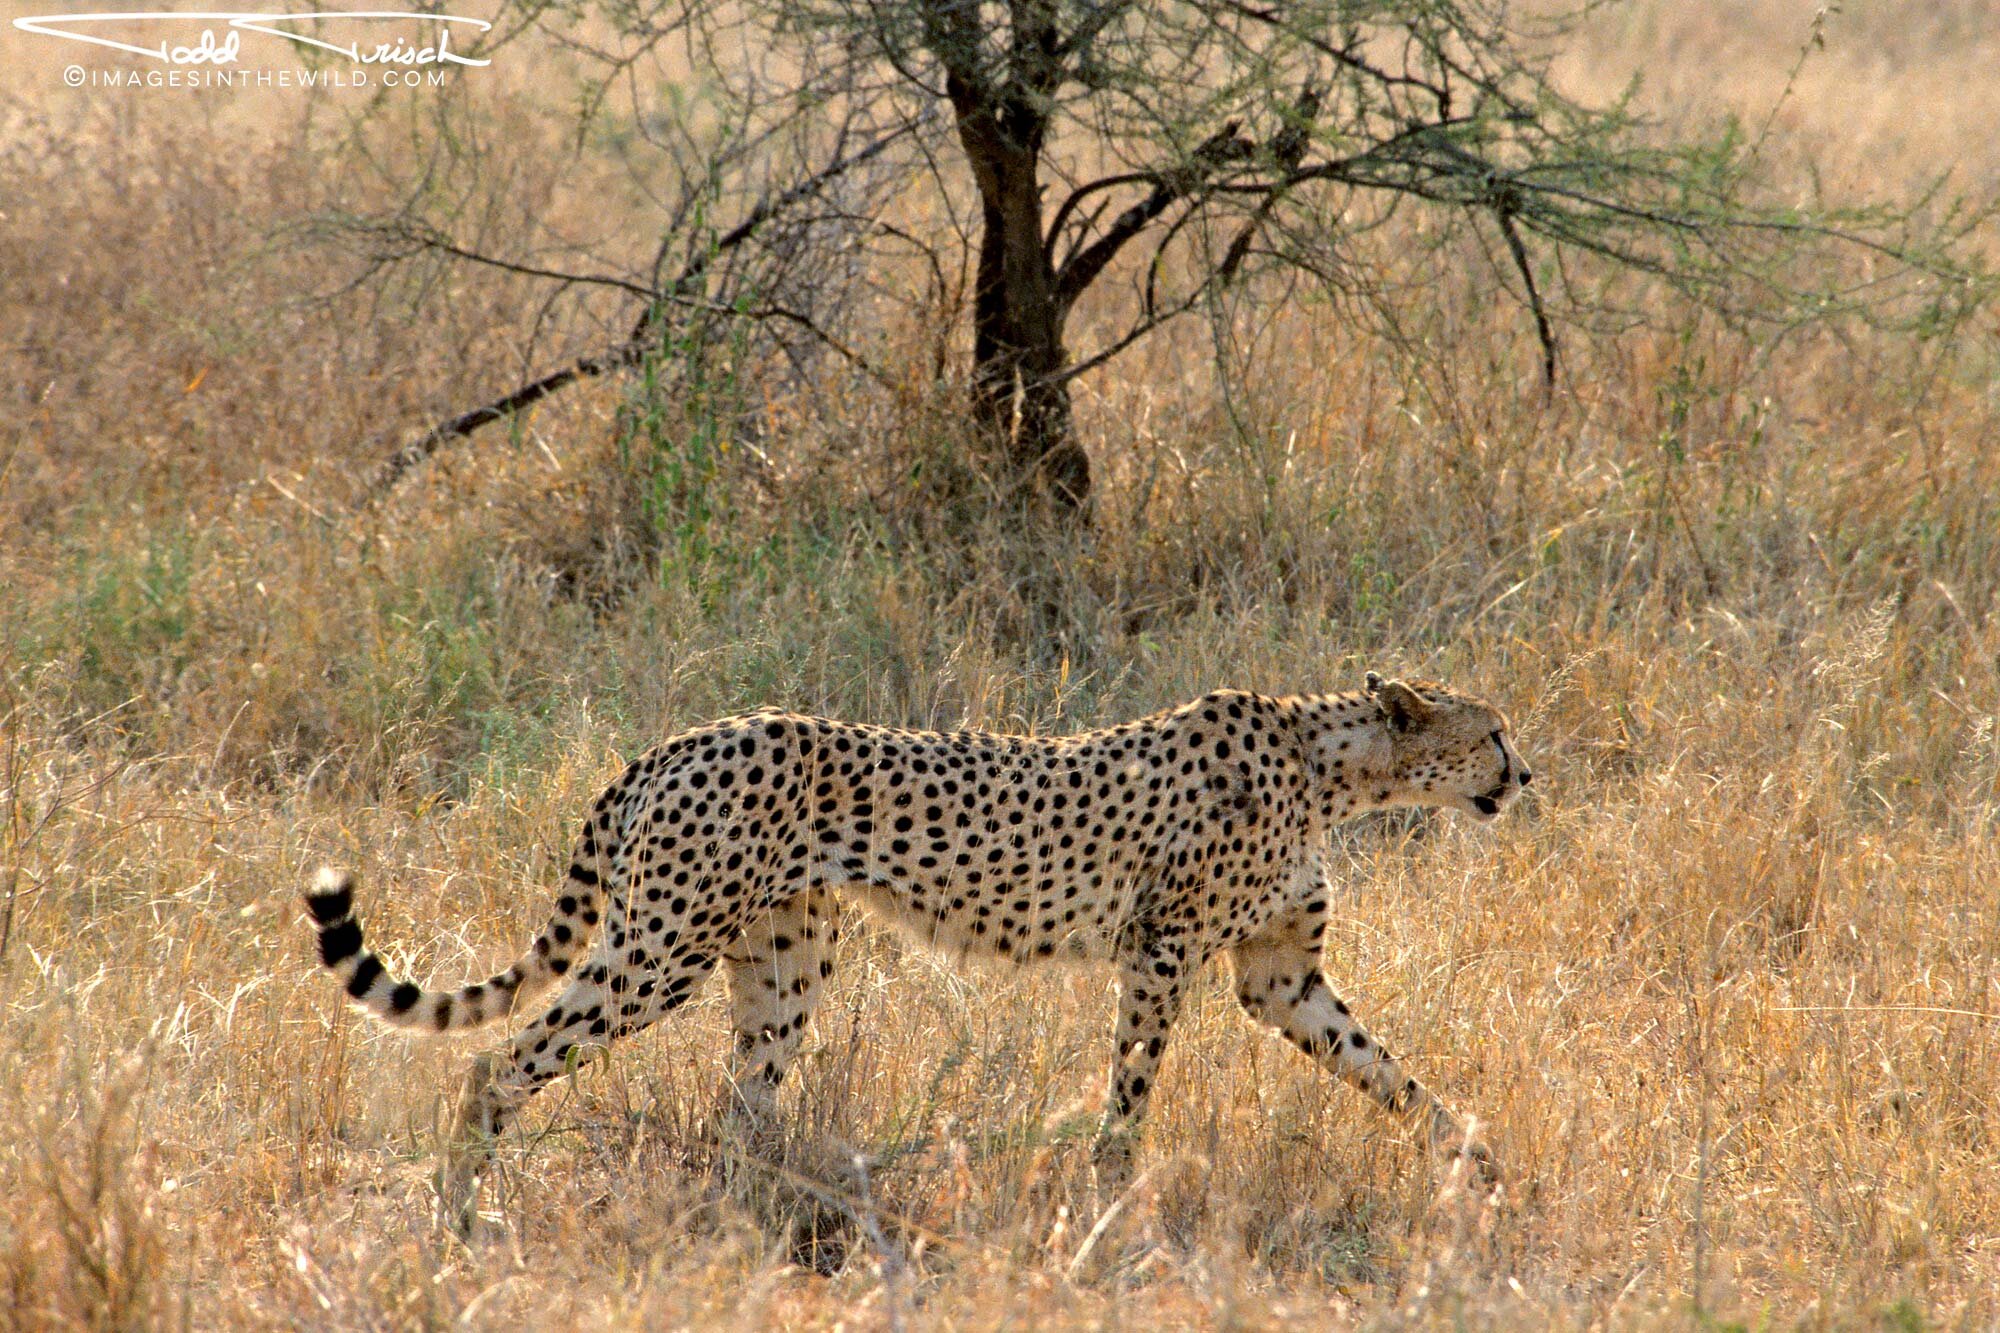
<point x="1723" y="991"/>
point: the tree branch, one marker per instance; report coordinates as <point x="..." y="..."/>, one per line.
<point x="799" y="320"/>
<point x="420" y="449"/>
<point x="632" y="349"/>
<point x="1169" y="187"/>
<point x="424" y="238"/>
<point x="1520" y="252"/>
<point x="1146" y="323"/>
<point x="1342" y="55"/>
<point x="1082" y="192"/>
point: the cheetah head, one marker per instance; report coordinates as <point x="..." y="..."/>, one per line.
<point x="1449" y="750"/>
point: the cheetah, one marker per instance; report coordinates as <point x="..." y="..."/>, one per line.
<point x="1156" y="844"/>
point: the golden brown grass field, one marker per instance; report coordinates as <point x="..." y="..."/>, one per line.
<point x="1722" y="988"/>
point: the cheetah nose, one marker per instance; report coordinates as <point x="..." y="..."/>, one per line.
<point x="1526" y="777"/>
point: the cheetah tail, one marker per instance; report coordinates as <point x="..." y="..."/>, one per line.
<point x="401" y="1003"/>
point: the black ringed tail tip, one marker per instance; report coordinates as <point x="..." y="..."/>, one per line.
<point x="331" y="902"/>
<point x="391" y="999"/>
<point x="332" y="897"/>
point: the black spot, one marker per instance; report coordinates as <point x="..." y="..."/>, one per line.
<point x="327" y="908"/>
<point x="404" y="998"/>
<point x="364" y="976"/>
<point x="339" y="943"/>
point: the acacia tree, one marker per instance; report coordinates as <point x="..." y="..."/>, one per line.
<point x="1186" y="145"/>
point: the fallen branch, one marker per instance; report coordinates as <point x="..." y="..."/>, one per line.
<point x="418" y="450"/>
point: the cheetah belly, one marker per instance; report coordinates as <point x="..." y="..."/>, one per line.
<point x="1023" y="917"/>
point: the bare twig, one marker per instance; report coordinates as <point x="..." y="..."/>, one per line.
<point x="1542" y="329"/>
<point x="1170" y="186"/>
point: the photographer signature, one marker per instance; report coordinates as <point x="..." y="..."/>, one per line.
<point x="209" y="50"/>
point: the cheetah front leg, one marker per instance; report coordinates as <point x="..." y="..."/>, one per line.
<point x="1152" y="978"/>
<point x="1279" y="981"/>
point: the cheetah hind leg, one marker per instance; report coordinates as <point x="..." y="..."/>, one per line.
<point x="500" y="1084"/>
<point x="1462" y="1154"/>
<point x="778" y="966"/>
<point x="468" y="1147"/>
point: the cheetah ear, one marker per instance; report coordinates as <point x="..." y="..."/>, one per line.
<point x="1371" y="682"/>
<point x="1404" y="707"/>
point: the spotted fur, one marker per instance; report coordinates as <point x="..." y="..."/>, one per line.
<point x="1157" y="844"/>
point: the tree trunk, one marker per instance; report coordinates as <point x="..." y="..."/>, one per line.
<point x="1019" y="399"/>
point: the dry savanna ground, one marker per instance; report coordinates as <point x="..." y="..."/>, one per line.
<point x="1722" y="988"/>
